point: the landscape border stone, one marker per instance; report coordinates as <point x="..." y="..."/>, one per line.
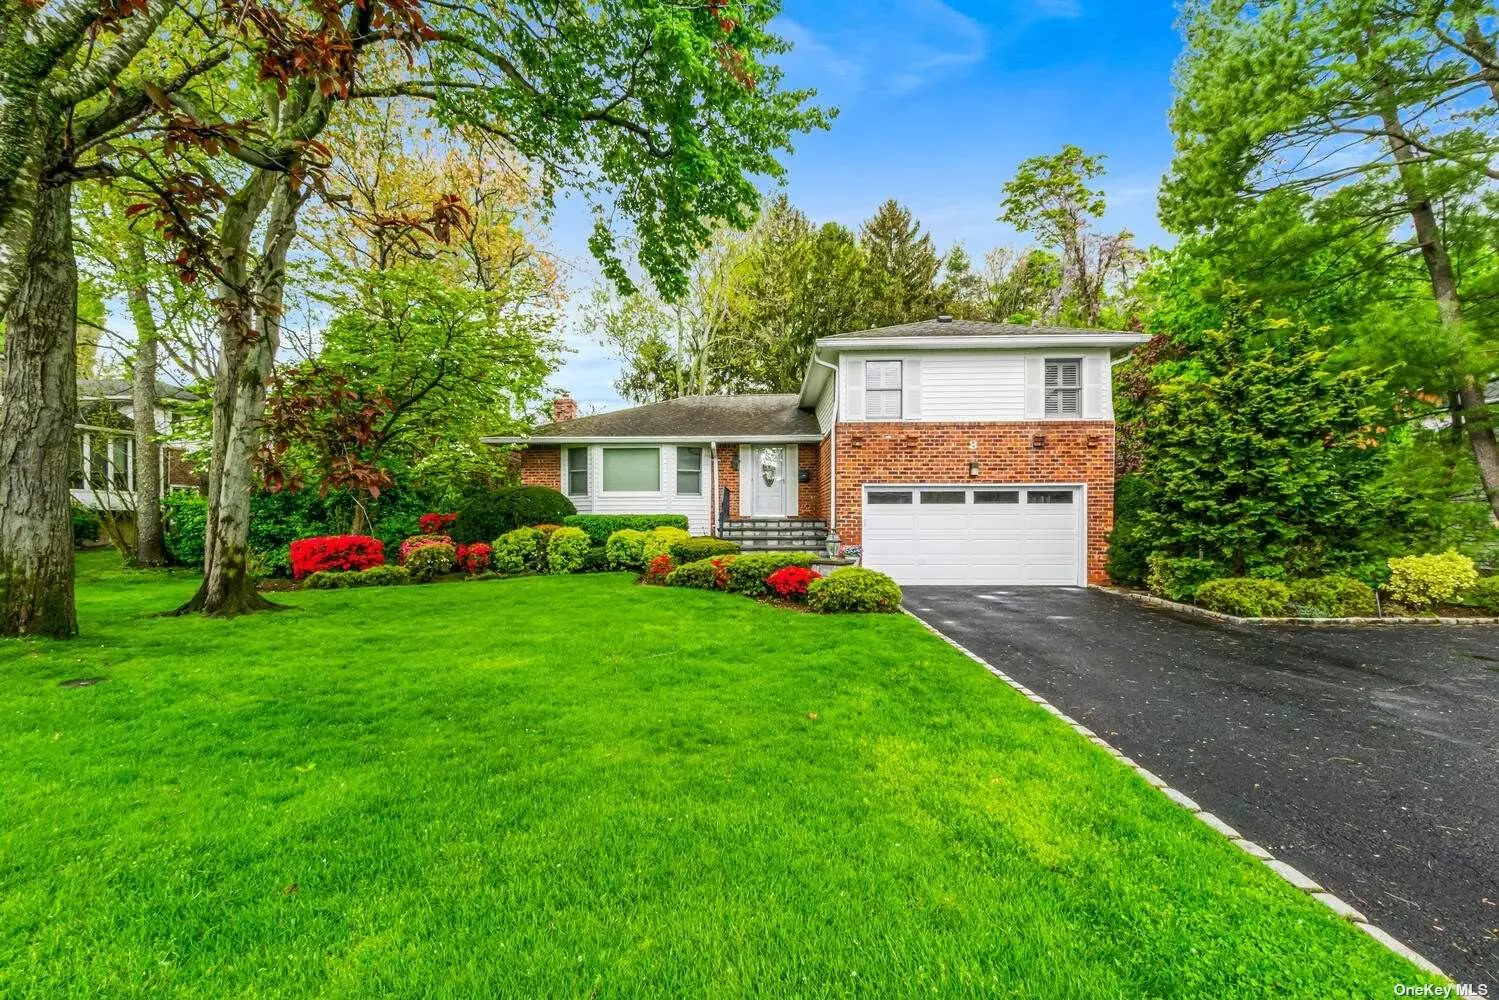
<point x="1294" y="877"/>
<point x="1150" y="600"/>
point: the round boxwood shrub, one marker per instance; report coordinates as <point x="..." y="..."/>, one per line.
<point x="1245" y="597"/>
<point x="380" y="576"/>
<point x="626" y="550"/>
<point x="517" y="551"/>
<point x="702" y="547"/>
<point x="703" y="574"/>
<point x="1435" y="578"/>
<point x="430" y="561"/>
<point x="658" y="542"/>
<point x="1332" y="597"/>
<point x="491" y="513"/>
<point x="601" y="526"/>
<point x="854" y="589"/>
<point x="567" y="549"/>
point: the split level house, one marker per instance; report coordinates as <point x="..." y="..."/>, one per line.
<point x="101" y="473"/>
<point x="944" y="451"/>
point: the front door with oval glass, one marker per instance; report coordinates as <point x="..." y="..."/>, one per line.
<point x="768" y="481"/>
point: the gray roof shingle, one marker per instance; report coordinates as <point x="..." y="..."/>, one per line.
<point x="963" y="328"/>
<point x="119" y="388"/>
<point x="719" y="418"/>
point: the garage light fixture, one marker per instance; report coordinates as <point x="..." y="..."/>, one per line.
<point x="973" y="469"/>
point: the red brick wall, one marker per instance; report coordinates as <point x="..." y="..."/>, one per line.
<point x="809" y="501"/>
<point x="541" y="466"/>
<point x="728" y="477"/>
<point x="1079" y="451"/>
<point x="180" y="471"/>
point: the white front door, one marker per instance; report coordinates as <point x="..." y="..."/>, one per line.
<point x="768" y="481"/>
<point x="984" y="535"/>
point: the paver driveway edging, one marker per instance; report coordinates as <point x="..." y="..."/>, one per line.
<point x="1150" y="600"/>
<point x="1296" y="878"/>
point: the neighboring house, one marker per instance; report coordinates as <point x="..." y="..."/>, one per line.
<point x="102" y="464"/>
<point x="949" y="451"/>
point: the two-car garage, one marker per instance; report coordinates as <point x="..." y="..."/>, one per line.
<point x="970" y="534"/>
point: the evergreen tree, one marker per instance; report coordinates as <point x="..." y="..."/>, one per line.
<point x="1261" y="455"/>
<point x="901" y="265"/>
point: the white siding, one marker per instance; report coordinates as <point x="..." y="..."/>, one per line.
<point x="825" y="406"/>
<point x="949" y="386"/>
<point x="695" y="507"/>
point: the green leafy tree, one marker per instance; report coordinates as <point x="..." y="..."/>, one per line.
<point x="1019" y="286"/>
<point x="961" y="293"/>
<point x="1380" y="116"/>
<point x="1049" y="197"/>
<point x="1261" y="455"/>
<point x="900" y="271"/>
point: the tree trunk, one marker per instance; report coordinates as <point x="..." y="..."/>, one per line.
<point x="36" y="427"/>
<point x="149" y="551"/>
<point x="1476" y="417"/>
<point x="249" y="326"/>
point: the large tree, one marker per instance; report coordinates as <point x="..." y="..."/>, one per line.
<point x="1380" y="111"/>
<point x="1049" y="197"/>
<point x="900" y="270"/>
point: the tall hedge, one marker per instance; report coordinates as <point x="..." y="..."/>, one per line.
<point x="600" y="526"/>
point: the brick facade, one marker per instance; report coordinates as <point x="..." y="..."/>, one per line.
<point x="1074" y="451"/>
<point x="810" y="501"/>
<point x="541" y="466"/>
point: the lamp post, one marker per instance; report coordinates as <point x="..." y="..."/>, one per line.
<point x="833" y="543"/>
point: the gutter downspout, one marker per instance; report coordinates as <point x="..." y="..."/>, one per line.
<point x="832" y="446"/>
<point x="713" y="490"/>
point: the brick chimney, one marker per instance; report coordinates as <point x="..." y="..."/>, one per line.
<point x="564" y="408"/>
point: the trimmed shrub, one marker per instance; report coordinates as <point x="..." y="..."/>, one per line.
<point x="381" y="576"/>
<point x="702" y="547"/>
<point x="703" y="574"/>
<point x="415" y="542"/>
<point x="790" y="582"/>
<point x="601" y="526"/>
<point x="85" y="525"/>
<point x="493" y="513"/>
<point x="1484" y="594"/>
<point x="595" y="560"/>
<point x="334" y="552"/>
<point x="567" y="548"/>
<point x="854" y="589"/>
<point x="748" y="571"/>
<point x="658" y="542"/>
<point x="626" y="549"/>
<point x="1245" y="597"/>
<point x="518" y="551"/>
<point x="1427" y="580"/>
<point x="475" y="558"/>
<point x="430" y="561"/>
<point x="658" y="569"/>
<point x="1332" y="597"/>
<point x="1177" y="578"/>
<point x="326" y="579"/>
<point x="184" y="523"/>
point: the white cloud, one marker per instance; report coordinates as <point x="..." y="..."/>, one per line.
<point x="892" y="46"/>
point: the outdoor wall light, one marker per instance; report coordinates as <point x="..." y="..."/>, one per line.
<point x="973" y="469"/>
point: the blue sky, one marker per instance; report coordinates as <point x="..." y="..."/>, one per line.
<point x="938" y="102"/>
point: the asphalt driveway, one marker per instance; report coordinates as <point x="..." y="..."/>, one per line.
<point x="1368" y="758"/>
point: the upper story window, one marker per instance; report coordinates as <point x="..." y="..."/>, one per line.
<point x="690" y="472"/>
<point x="1064" y="387"/>
<point x="577" y="472"/>
<point x="882" y="381"/>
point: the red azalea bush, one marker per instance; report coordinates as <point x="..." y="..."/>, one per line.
<point x="339" y="553"/>
<point x="415" y="542"/>
<point x="659" y="567"/>
<point x="475" y="558"/>
<point x="433" y="524"/>
<point x="721" y="572"/>
<point x="790" y="582"/>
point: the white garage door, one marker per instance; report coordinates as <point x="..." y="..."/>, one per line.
<point x="1027" y="535"/>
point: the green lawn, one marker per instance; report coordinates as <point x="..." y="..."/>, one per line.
<point x="557" y="787"/>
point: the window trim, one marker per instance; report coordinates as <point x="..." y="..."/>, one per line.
<point x="698" y="472"/>
<point x="568" y="470"/>
<point x="1054" y="393"/>
<point x="603" y="461"/>
<point x="898" y="391"/>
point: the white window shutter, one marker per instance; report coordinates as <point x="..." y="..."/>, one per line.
<point x="1095" y="385"/>
<point x="669" y="472"/>
<point x="793" y="488"/>
<point x="853" y="395"/>
<point x="911" y="390"/>
<point x="1035" y="388"/>
<point x="746" y="479"/>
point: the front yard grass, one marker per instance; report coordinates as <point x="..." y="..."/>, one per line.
<point x="582" y="787"/>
